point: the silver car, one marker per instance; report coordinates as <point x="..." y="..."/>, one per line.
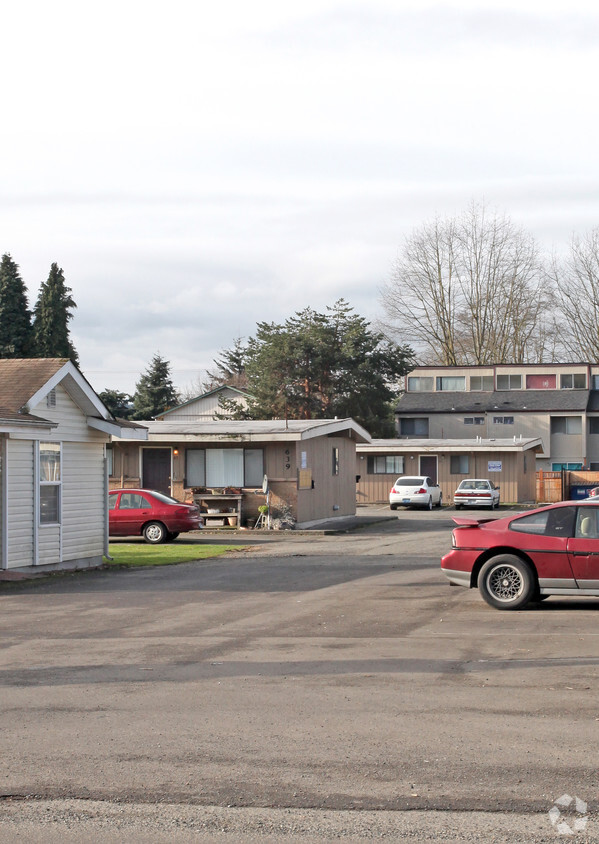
<point x="415" y="491"/>
<point x="476" y="492"/>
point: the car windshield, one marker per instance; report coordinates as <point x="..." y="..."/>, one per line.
<point x="409" y="482"/>
<point x="474" y="485"/>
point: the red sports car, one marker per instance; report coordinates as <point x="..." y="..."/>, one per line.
<point x="553" y="550"/>
<point x="153" y="515"/>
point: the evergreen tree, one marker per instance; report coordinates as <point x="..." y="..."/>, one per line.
<point x="52" y="314"/>
<point x="15" y="317"/>
<point x="230" y="367"/>
<point x="119" y="404"/>
<point x="155" y="391"/>
<point x="322" y="365"/>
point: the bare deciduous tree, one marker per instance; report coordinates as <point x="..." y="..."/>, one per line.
<point x="576" y="278"/>
<point x="469" y="290"/>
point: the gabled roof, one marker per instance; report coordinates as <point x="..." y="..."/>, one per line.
<point x="21" y="379"/>
<point x="261" y="430"/>
<point x="24" y="383"/>
<point x="506" y="401"/>
<point x="205" y="396"/>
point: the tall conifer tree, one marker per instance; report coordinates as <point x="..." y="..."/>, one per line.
<point x="155" y="391"/>
<point x="52" y="314"/>
<point x="15" y="317"/>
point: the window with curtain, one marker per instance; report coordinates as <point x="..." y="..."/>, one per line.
<point x="418" y="384"/>
<point x="566" y="424"/>
<point x="451" y="383"/>
<point x="49" y="483"/>
<point x="221" y="467"/>
<point x="253" y="461"/>
<point x="459" y="464"/>
<point x="384" y="464"/>
<point x="195" y="467"/>
<point x="224" y="467"/>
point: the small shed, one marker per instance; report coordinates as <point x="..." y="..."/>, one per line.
<point x="309" y="465"/>
<point x="53" y="470"/>
<point x="510" y="463"/>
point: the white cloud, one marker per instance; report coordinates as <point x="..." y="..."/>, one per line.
<point x="195" y="167"/>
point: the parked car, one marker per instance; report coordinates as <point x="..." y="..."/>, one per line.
<point x="594" y="493"/>
<point x="553" y="550"/>
<point x="415" y="491"/>
<point x="153" y="515"/>
<point x="476" y="492"/>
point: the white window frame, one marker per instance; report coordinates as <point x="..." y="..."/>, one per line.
<point x="44" y="484"/>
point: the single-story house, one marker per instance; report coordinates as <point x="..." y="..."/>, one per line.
<point x="510" y="463"/>
<point x="309" y="466"/>
<point x="53" y="469"/>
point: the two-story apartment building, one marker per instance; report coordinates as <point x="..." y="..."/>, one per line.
<point x="557" y="402"/>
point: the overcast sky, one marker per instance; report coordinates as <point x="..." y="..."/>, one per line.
<point x="195" y="167"/>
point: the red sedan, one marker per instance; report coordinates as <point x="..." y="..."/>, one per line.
<point x="153" y="515"/>
<point x="550" y="551"/>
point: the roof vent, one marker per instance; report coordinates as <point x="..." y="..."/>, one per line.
<point x="51" y="398"/>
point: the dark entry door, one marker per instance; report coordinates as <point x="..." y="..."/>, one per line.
<point x="428" y="466"/>
<point x="156" y="469"/>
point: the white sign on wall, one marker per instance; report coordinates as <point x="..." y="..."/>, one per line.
<point x="494" y="465"/>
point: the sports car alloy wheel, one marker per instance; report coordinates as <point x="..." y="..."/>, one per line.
<point x="506" y="582"/>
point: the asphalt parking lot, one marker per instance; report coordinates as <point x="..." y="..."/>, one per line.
<point x="311" y="688"/>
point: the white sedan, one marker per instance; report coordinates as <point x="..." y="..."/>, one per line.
<point x="415" y="491"/>
<point x="476" y="492"/>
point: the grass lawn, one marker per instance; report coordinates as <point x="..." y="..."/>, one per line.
<point x="136" y="554"/>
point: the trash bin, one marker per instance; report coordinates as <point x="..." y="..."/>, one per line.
<point x="580" y="491"/>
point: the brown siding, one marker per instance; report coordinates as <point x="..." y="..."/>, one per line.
<point x="329" y="490"/>
<point x="281" y="462"/>
<point x="516" y="484"/>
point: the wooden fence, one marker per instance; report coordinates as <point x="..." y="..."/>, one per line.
<point x="561" y="486"/>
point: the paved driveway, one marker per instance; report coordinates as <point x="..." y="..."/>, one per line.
<point x="311" y="688"/>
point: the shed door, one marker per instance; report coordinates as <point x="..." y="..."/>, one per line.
<point x="428" y="466"/>
<point x="156" y="469"/>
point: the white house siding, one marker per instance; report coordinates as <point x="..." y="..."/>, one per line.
<point x="72" y="424"/>
<point x="205" y="407"/>
<point x="80" y="537"/>
<point x="20" y="497"/>
<point x="49" y="545"/>
<point x="2" y="495"/>
<point x="83" y="501"/>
